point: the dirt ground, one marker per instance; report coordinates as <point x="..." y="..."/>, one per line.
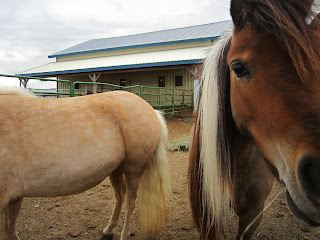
<point x="84" y="216"/>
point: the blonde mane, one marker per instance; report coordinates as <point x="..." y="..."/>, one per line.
<point x="216" y="189"/>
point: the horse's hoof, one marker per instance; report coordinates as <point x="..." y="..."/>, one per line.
<point x="106" y="237"/>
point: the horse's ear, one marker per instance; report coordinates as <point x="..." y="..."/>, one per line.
<point x="241" y="11"/>
<point x="236" y="12"/>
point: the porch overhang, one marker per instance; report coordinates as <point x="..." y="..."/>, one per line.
<point x="176" y="57"/>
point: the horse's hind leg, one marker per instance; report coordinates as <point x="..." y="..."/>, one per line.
<point x="9" y="215"/>
<point x="132" y="183"/>
<point x="118" y="184"/>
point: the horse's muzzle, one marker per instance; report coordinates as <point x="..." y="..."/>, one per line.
<point x="295" y="210"/>
<point x="309" y="178"/>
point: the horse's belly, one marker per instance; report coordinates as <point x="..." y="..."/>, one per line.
<point x="68" y="177"/>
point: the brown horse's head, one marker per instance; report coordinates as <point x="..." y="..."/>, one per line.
<point x="274" y="62"/>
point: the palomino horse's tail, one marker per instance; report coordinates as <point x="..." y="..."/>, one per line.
<point x="155" y="186"/>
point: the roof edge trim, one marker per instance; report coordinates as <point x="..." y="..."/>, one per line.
<point x="145" y="65"/>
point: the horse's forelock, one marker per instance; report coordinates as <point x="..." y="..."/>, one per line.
<point x="287" y="21"/>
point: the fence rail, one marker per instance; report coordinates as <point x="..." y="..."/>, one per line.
<point x="169" y="100"/>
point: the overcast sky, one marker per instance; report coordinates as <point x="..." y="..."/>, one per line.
<point x="33" y="29"/>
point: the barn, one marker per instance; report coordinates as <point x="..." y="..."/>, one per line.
<point x="167" y="59"/>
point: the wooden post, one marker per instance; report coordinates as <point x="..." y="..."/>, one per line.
<point x="196" y="73"/>
<point x="94" y="77"/>
<point x="24" y="82"/>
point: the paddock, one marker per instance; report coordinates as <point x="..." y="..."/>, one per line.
<point x="83" y="216"/>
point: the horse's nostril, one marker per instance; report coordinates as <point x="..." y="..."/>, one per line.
<point x="309" y="176"/>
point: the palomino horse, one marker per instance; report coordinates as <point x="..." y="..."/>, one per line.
<point x="258" y="118"/>
<point x="57" y="147"/>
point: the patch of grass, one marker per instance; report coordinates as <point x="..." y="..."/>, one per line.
<point x="181" y="144"/>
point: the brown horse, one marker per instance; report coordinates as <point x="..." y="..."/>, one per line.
<point x="258" y="118"/>
<point x="57" y="147"/>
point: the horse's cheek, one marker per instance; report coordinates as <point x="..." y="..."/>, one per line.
<point x="240" y="104"/>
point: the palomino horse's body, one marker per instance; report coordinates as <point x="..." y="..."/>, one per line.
<point x="56" y="147"/>
<point x="258" y="118"/>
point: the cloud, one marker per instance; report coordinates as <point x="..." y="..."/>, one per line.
<point x="31" y="30"/>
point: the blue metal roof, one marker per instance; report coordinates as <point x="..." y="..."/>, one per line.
<point x="209" y="31"/>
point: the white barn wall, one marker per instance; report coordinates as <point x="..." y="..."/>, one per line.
<point x="146" y="78"/>
<point x="143" y="78"/>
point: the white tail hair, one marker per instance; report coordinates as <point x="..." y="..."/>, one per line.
<point x="155" y="186"/>
<point x="215" y="193"/>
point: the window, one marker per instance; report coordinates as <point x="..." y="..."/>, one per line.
<point x="77" y="86"/>
<point x="178" y="81"/>
<point x="123" y="82"/>
<point x="161" y="81"/>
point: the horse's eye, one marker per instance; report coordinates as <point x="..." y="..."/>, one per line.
<point x="240" y="70"/>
